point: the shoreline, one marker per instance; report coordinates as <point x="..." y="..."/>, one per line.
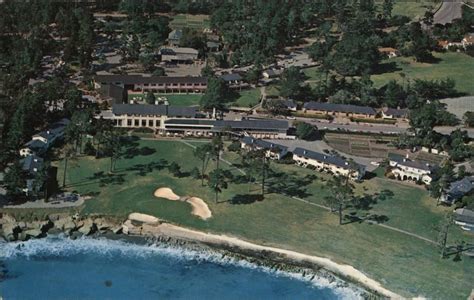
<point x="134" y="231"/>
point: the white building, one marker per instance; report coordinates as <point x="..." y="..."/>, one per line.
<point x="464" y="218"/>
<point x="404" y="168"/>
<point x="328" y="163"/>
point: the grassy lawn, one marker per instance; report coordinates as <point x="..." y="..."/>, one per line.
<point x="403" y="263"/>
<point x="457" y="66"/>
<point x="197" y="22"/>
<point x="414" y="9"/>
<point x="313" y="73"/>
<point x="247" y="98"/>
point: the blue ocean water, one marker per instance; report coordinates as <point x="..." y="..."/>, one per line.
<point x="60" y="268"/>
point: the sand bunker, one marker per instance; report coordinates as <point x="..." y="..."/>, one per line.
<point x="166" y="193"/>
<point x="143" y="218"/>
<point x="200" y="207"/>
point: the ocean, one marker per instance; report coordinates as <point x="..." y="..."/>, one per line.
<point x="90" y="268"/>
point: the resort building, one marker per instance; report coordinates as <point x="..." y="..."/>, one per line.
<point x="404" y="168"/>
<point x="457" y="190"/>
<point x="272" y="150"/>
<point x="328" y="163"/>
<point x="234" y="80"/>
<point x="339" y="110"/>
<point x="154" y="84"/>
<point x="42" y="141"/>
<point x="464" y="218"/>
<point x="188" y="121"/>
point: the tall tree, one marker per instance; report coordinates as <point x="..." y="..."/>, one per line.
<point x="203" y="152"/>
<point x="217" y="182"/>
<point x="340" y="193"/>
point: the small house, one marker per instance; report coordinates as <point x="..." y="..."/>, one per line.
<point x="272" y="150"/>
<point x="457" y="190"/>
<point x="404" y="168"/>
<point x="389" y="52"/>
<point x="174" y="37"/>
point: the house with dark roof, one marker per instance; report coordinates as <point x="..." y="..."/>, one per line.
<point x="31" y="165"/>
<point x="457" y="190"/>
<point x="394" y="113"/>
<point x="404" y="168"/>
<point x="44" y="140"/>
<point x="258" y="128"/>
<point x="272" y="150"/>
<point x="272" y="73"/>
<point x="465" y="218"/>
<point x="174" y="37"/>
<point x="155" y="84"/>
<point x="342" y="110"/>
<point x="328" y="163"/>
<point x="290" y="104"/>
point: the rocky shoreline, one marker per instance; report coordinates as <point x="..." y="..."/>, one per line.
<point x="161" y="233"/>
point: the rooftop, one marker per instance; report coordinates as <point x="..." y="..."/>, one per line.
<point x="155" y="110"/>
<point x="464" y="215"/>
<point x="260" y="124"/>
<point x="231" y="77"/>
<point x="31" y="164"/>
<point x="346" y="108"/>
<point x="248" y="140"/>
<point x="403" y="161"/>
<point x="138" y="79"/>
<point x="325" y="158"/>
<point x="396" y="112"/>
<point x="461" y="187"/>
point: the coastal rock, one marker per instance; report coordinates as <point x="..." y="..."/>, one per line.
<point x="61" y="221"/>
<point x="88" y="227"/>
<point x="22" y="236"/>
<point x="11" y="231"/>
<point x="102" y="224"/>
<point x="57" y="216"/>
<point x="43" y="226"/>
<point x="36" y="233"/>
<point x="117" y="230"/>
<point x="22" y="225"/>
<point x="7" y="219"/>
<point x="129" y="228"/>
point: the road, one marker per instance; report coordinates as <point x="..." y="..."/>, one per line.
<point x="449" y="11"/>
<point x="377" y="128"/>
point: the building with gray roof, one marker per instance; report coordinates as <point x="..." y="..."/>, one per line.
<point x="272" y="150"/>
<point x="404" y="168"/>
<point x="347" y="110"/>
<point x="458" y="189"/>
<point x="329" y="163"/>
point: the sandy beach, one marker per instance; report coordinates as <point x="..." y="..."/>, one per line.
<point x="223" y="241"/>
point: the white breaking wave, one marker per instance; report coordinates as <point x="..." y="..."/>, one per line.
<point x="61" y="246"/>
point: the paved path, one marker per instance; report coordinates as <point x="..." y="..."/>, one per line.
<point x="449" y="11"/>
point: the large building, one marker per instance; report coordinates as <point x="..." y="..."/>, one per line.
<point x="154" y="84"/>
<point x="403" y="168"/>
<point x="179" y="55"/>
<point x="174" y="120"/>
<point x="340" y="110"/>
<point x="272" y="150"/>
<point x="328" y="163"/>
<point x="42" y="141"/>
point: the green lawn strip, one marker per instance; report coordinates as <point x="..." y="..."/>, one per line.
<point x="247" y="98"/>
<point x="402" y="263"/>
<point x="457" y="66"/>
<point x="414" y="9"/>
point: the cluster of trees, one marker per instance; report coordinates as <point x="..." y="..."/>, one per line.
<point x="257" y="30"/>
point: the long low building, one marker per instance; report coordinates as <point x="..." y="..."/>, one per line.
<point x="343" y="110"/>
<point x="154" y="84"/>
<point x="175" y="120"/>
<point x="329" y="163"/>
<point x="272" y="150"/>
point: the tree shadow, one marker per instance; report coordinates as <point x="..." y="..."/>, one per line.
<point x="289" y="184"/>
<point x="388" y="67"/>
<point x="245" y="199"/>
<point x="132" y="147"/>
<point x="145" y="169"/>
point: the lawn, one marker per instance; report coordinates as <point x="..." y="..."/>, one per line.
<point x="198" y="22"/>
<point x="457" y="66"/>
<point x="313" y="73"/>
<point x="247" y="98"/>
<point x="403" y="263"/>
<point x="414" y="9"/>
